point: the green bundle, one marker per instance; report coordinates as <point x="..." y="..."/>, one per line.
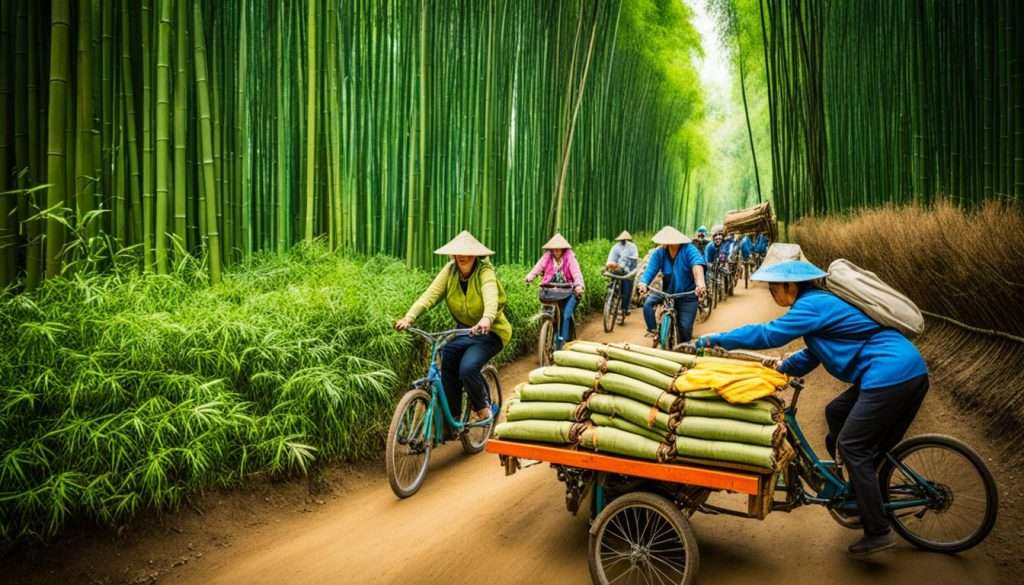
<point x="640" y="391"/>
<point x="755" y="455"/>
<point x="732" y="431"/>
<point x="554" y="392"/>
<point x="603" y="420"/>
<point x="685" y="360"/>
<point x="583" y="361"/>
<point x="764" y="412"/>
<point x="658" y="364"/>
<point x="564" y="375"/>
<point x="613" y="440"/>
<point x="519" y="410"/>
<point x="543" y="431"/>
<point x="586" y="347"/>
<point x="652" y="377"/>
<point x="635" y="412"/>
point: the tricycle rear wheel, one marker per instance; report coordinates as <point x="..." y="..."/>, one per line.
<point x="642" y="537"/>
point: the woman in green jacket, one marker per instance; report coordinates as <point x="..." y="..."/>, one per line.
<point x="469" y="286"/>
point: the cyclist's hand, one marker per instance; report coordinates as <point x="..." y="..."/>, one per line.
<point x="402" y="324"/>
<point x="701" y="289"/>
<point x="527" y="280"/>
<point x="579" y="291"/>
<point x="482" y="327"/>
<point x="773" y="363"/>
<point x="641" y="288"/>
<point x="703" y="342"/>
<point x="612" y="266"/>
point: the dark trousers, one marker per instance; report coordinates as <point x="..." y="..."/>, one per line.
<point x="865" y="425"/>
<point x="686" y="312"/>
<point x="461" y="361"/>
<point x="626" y="290"/>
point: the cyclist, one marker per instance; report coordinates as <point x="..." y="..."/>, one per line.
<point x="761" y="244"/>
<point x="559" y="266"/>
<point x="622" y="259"/>
<point x="701" y="239"/>
<point x="470" y="288"/>
<point x="682" y="270"/>
<point x="888" y="378"/>
<point x="746" y="247"/>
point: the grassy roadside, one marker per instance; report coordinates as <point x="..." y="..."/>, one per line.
<point x="122" y="392"/>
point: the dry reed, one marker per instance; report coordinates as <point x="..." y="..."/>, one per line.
<point x="967" y="265"/>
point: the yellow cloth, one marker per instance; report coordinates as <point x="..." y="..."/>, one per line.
<point x="736" y="381"/>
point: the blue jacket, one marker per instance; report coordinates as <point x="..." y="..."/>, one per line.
<point x="836" y="334"/>
<point x="761" y="246"/>
<point x="710" y="253"/>
<point x="678" y="273"/>
<point x="746" y="248"/>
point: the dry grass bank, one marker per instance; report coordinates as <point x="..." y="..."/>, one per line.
<point x="965" y="265"/>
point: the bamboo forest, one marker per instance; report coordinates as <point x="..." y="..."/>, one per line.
<point x="225" y="226"/>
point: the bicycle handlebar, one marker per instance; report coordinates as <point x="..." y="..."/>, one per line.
<point x="440" y="335"/>
<point x="628" y="276"/>
<point x="666" y="295"/>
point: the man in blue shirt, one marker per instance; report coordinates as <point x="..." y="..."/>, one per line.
<point x="622" y="259"/>
<point x="682" y="270"/>
<point x="746" y="247"/>
<point x="888" y="375"/>
<point x="701" y="239"/>
<point x="761" y="244"/>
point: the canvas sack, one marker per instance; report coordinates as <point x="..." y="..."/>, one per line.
<point x="864" y="290"/>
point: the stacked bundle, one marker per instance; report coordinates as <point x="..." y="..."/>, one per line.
<point x="651" y="404"/>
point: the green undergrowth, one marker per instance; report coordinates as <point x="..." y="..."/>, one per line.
<point x="122" y="392"/>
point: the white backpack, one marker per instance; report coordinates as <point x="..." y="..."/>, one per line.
<point x="864" y="290"/>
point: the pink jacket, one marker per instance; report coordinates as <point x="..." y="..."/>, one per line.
<point x="570" y="269"/>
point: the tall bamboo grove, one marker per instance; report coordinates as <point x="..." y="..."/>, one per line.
<point x="223" y="128"/>
<point x="877" y="101"/>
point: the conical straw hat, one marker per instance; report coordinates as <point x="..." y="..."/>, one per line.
<point x="670" y="235"/>
<point x="464" y="244"/>
<point x="623" y="236"/>
<point x="557" y="242"/>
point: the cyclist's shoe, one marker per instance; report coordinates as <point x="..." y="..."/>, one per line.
<point x="451" y="434"/>
<point x="651" y="333"/>
<point x="871" y="544"/>
<point x="559" y="342"/>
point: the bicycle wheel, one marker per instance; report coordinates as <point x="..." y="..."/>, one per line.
<point x="546" y="343"/>
<point x="407" y="453"/>
<point x="666" y="333"/>
<point x="642" y="538"/>
<point x="611" y="309"/>
<point x="703" y="308"/>
<point x="962" y="512"/>
<point x="474" y="438"/>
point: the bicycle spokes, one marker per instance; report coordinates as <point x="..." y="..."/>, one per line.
<point x="934" y="495"/>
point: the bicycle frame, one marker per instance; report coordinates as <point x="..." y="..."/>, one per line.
<point x="835" y="493"/>
<point x="435" y="417"/>
<point x="668" y="307"/>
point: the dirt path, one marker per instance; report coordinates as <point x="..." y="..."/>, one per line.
<point x="469" y="518"/>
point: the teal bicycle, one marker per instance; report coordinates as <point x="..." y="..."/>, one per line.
<point x="667" y="333"/>
<point x="423" y="420"/>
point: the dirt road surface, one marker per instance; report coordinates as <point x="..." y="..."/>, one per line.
<point x="471" y="524"/>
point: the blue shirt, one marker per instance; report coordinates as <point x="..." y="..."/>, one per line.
<point x="836" y="334"/>
<point x="746" y="247"/>
<point x="678" y="273"/>
<point x="710" y="253"/>
<point x="761" y="246"/>
<point x="625" y="254"/>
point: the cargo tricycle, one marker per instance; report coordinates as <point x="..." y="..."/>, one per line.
<point x="939" y="495"/>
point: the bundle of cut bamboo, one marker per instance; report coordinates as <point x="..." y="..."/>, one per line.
<point x="652" y="404"/>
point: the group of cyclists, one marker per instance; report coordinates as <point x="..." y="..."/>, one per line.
<point x="888" y="377"/>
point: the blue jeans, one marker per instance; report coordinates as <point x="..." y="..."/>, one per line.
<point x="686" y="313"/>
<point x="627" y="294"/>
<point x="568" y="307"/>
<point x="461" y="362"/>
